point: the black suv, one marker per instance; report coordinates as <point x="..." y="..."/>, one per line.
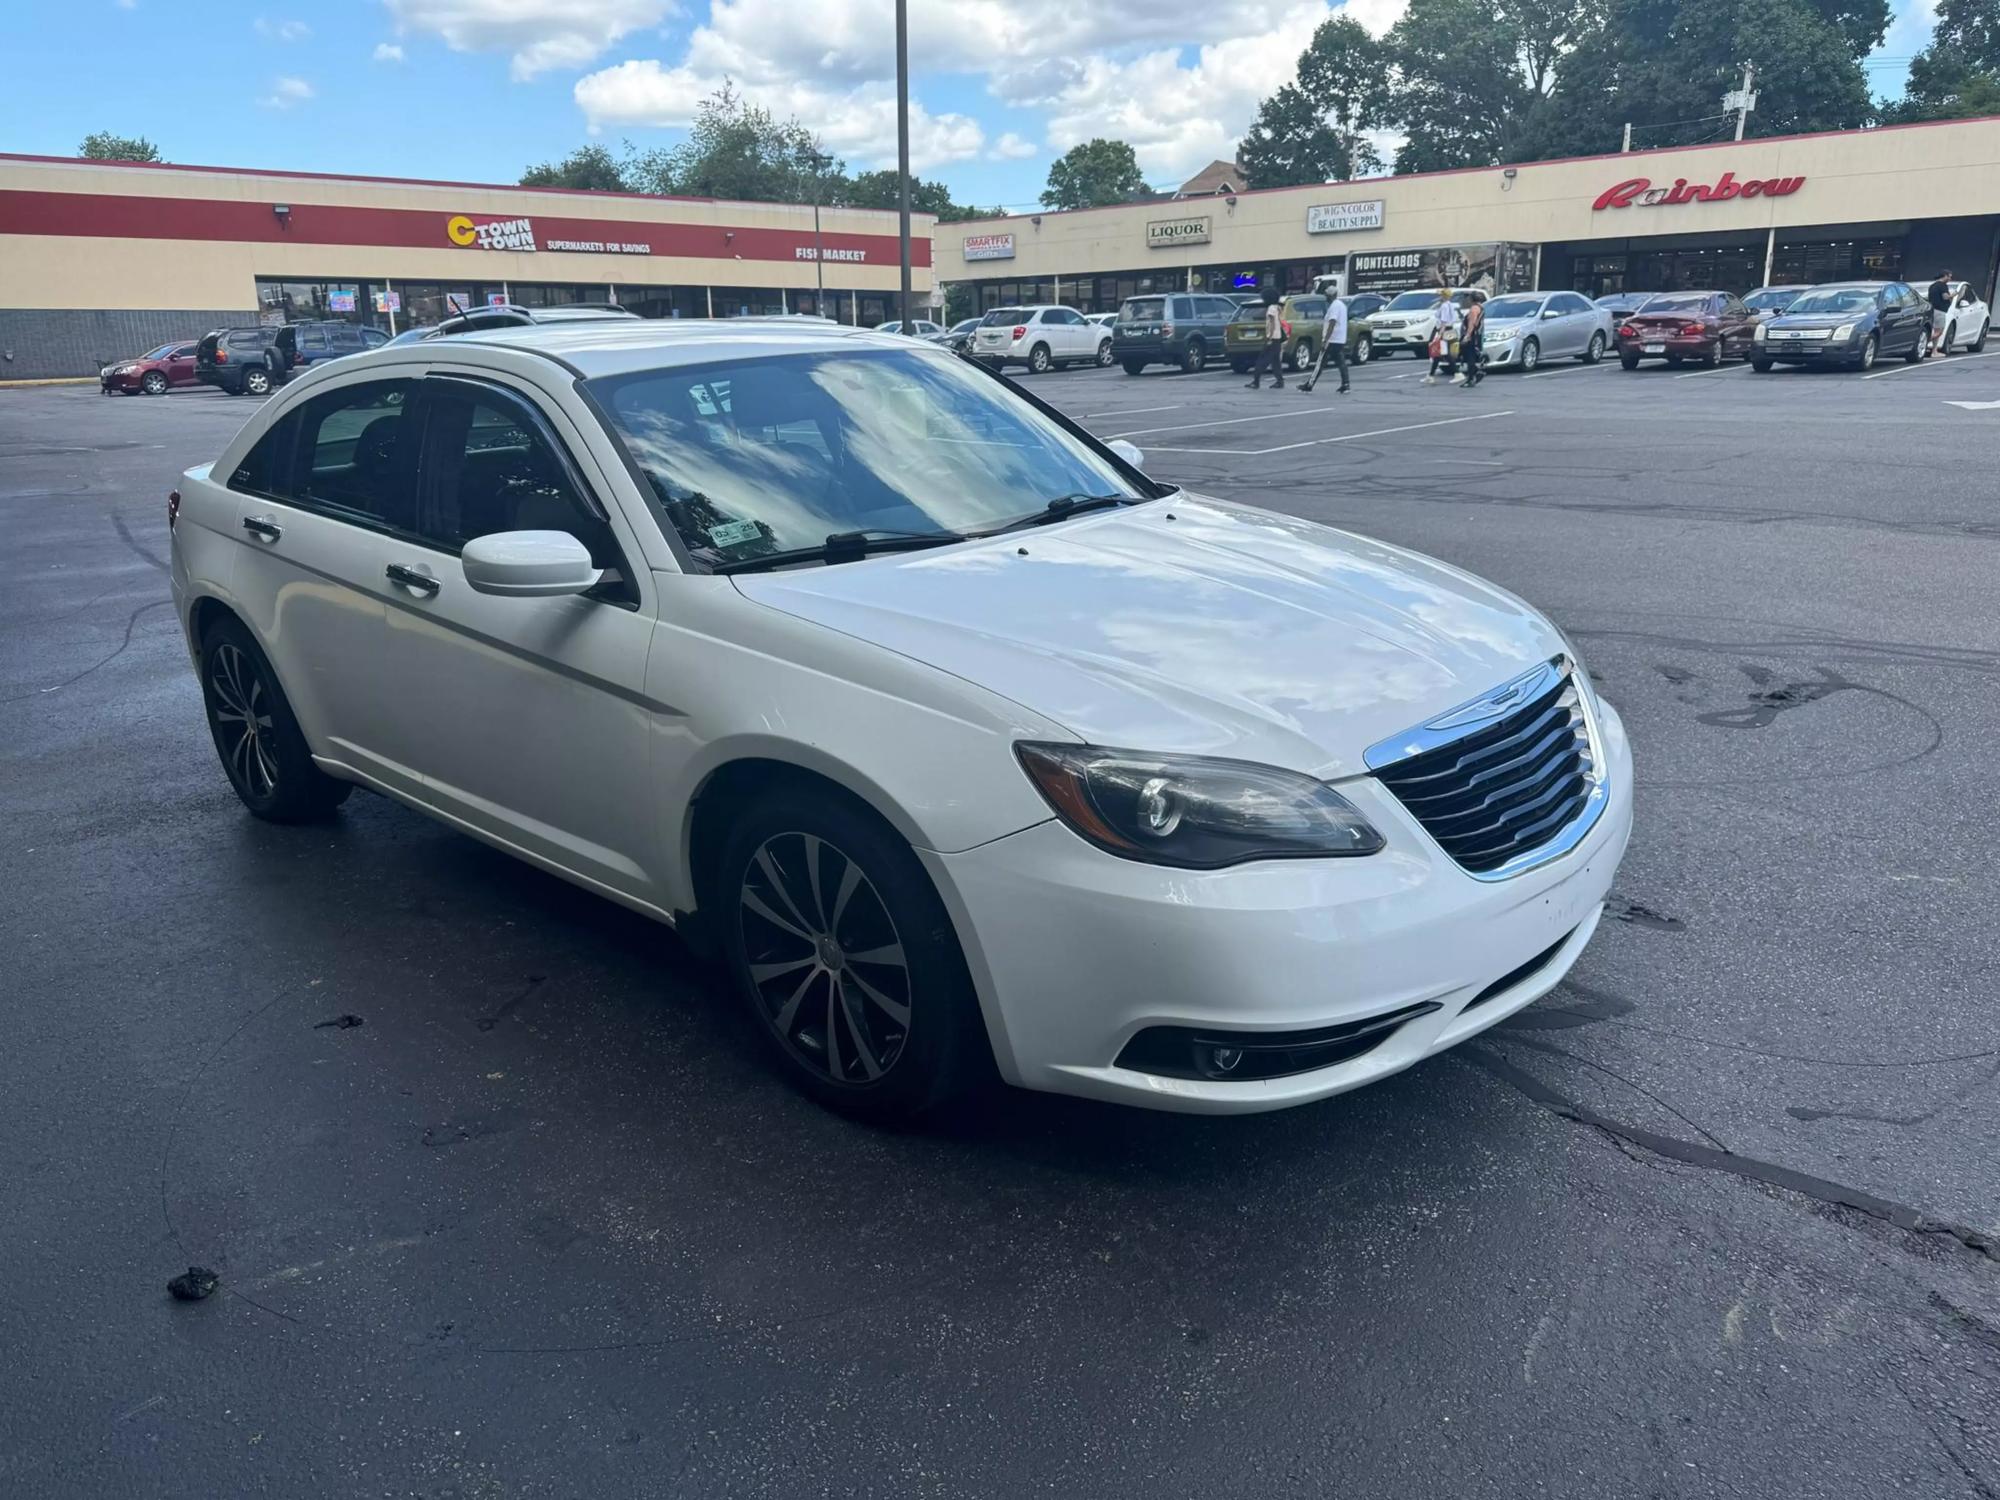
<point x="1174" y="328"/>
<point x="508" y="315"/>
<point x="242" y="361"/>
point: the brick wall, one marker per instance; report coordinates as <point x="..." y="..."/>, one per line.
<point x="43" y="343"/>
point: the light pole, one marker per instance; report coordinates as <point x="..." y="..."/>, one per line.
<point x="819" y="245"/>
<point x="903" y="151"/>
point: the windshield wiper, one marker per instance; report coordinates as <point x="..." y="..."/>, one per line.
<point x="842" y="546"/>
<point x="1060" y="509"/>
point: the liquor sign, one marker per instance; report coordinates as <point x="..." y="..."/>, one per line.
<point x="1164" y="234"/>
<point x="1339" y="218"/>
<point x="1639" y="192"/>
<point x="989" y="247"/>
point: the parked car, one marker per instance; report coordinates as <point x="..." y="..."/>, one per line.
<point x="1102" y="320"/>
<point x="1408" y="320"/>
<point x="1620" y="303"/>
<point x="511" y="315"/>
<point x="1845" y="323"/>
<point x="1769" y="300"/>
<point x="1965" y="323"/>
<point x="310" y="343"/>
<point x="921" y="328"/>
<point x="1524" y="328"/>
<point x="154" y="373"/>
<point x="1243" y="338"/>
<point x="886" y="801"/>
<point x="242" y="361"/>
<point x="958" y="337"/>
<point x="1360" y="339"/>
<point x="1186" y="329"/>
<point x="1042" y="337"/>
<point x="1707" y="327"/>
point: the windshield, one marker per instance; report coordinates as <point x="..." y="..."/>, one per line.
<point x="1413" y="302"/>
<point x="1683" y="304"/>
<point x="1001" y="315"/>
<point x="763" y="455"/>
<point x="1143" y="310"/>
<point x="1758" y="301"/>
<point x="966" y="327"/>
<point x="162" y="352"/>
<point x="1849" y="299"/>
<point x="1501" y="308"/>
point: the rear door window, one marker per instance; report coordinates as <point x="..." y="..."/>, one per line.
<point x="354" y="455"/>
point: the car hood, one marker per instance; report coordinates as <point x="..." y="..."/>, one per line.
<point x="1192" y="626"/>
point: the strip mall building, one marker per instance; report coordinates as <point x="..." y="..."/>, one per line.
<point x="101" y="260"/>
<point x="1899" y="203"/>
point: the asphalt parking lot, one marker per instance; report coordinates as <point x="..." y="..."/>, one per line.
<point x="1716" y="1218"/>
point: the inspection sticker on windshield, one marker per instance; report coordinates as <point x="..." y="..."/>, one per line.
<point x="734" y="533"/>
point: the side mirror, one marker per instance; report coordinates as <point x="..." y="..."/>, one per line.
<point x="1126" y="451"/>
<point x="1552" y="312"/>
<point x="528" y="564"/>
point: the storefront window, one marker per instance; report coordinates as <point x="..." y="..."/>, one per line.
<point x="1837" y="260"/>
<point x="318" y="301"/>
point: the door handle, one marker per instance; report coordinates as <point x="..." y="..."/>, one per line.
<point x="409" y="577"/>
<point x="264" y="527"/>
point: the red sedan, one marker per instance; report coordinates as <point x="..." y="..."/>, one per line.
<point x="154" y="374"/>
<point x="1706" y="327"/>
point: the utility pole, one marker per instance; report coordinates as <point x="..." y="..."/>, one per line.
<point x="903" y="151"/>
<point x="819" y="245"/>
<point x="1627" y="146"/>
<point x="1743" y="101"/>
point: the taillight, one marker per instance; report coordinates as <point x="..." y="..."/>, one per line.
<point x="1695" y="330"/>
<point x="221" y="355"/>
<point x="1628" y="332"/>
<point x="298" y="358"/>
<point x="173" y="508"/>
<point x="1020" y="332"/>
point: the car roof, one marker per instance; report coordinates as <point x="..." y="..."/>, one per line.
<point x="619" y="346"/>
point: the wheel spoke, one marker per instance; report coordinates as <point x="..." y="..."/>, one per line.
<point x="888" y="953"/>
<point x="789" y="1012"/>
<point x="813" y="849"/>
<point x="849" y="879"/>
<point x="897" y="1011"/>
<point x="832" y="1036"/>
<point x="266" y="765"/>
<point x="757" y="904"/>
<point x="770" y="868"/>
<point x="855" y="1029"/>
<point x="764" y="973"/>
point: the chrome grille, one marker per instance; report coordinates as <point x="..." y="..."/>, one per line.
<point x="1495" y="784"/>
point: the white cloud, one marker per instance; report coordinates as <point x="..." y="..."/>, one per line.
<point x="538" y="34"/>
<point x="859" y="122"/>
<point x="388" y="52"/>
<point x="285" y="92"/>
<point x="1011" y="147"/>
<point x="281" y="31"/>
<point x="127" y="4"/>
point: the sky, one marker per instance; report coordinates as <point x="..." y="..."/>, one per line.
<point x="477" y="90"/>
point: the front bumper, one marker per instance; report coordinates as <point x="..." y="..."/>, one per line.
<point x="1075" y="952"/>
<point x="1818" y="352"/>
<point x="120" y="382"/>
<point x="1400" y="338"/>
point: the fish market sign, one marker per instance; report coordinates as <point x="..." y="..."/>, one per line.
<point x="1164" y="233"/>
<point x="1338" y="218"/>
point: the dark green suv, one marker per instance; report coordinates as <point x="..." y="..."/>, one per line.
<point x="1171" y="328"/>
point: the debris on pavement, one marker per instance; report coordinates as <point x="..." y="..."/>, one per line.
<point x="194" y="1284"/>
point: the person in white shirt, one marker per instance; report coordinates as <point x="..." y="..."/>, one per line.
<point x="1332" y="339"/>
<point x="1447" y="336"/>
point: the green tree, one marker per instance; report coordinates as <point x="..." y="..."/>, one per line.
<point x="880" y="189"/>
<point x="1458" y="90"/>
<point x="736" y="149"/>
<point x="1095" y="174"/>
<point x="1290" y="144"/>
<point x="1341" y="73"/>
<point x="1808" y="76"/>
<point x="590" y="169"/>
<point x="1957" y="76"/>
<point x="102" y="145"/>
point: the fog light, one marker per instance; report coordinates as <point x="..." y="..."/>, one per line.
<point x="1223" y="1060"/>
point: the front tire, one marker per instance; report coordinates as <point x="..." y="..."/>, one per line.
<point x="1950" y="330"/>
<point x="263" y="751"/>
<point x="1194" y="358"/>
<point x="1531" y="356"/>
<point x="154" y="384"/>
<point x="845" y="958"/>
<point x="1104" y="355"/>
<point x="1596" y="350"/>
<point x="1870" y="347"/>
<point x="1761" y="366"/>
<point x="1920" y="349"/>
<point x="1979" y="343"/>
<point x="1132" y="366"/>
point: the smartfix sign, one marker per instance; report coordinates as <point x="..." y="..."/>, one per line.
<point x="1639" y="192"/>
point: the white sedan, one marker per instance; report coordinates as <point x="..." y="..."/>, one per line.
<point x="964" y="743"/>
<point x="1964" y="324"/>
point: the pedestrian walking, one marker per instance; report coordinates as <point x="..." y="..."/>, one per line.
<point x="1273" y="356"/>
<point x="1940" y="300"/>
<point x="1472" y="346"/>
<point x="1444" y="342"/>
<point x="1332" y="340"/>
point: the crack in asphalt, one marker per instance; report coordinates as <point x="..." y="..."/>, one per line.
<point x="1958" y="1095"/>
<point x="1769" y="1174"/>
<point x="125" y="535"/>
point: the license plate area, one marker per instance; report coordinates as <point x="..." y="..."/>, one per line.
<point x="1652" y="348"/>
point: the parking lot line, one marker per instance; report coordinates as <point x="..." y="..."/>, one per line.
<point x="1269" y="416"/>
<point x="1348" y="437"/>
<point x="1719" y="370"/>
<point x="1939" y="361"/>
<point x="1130" y="411"/>
<point x="1599" y="368"/>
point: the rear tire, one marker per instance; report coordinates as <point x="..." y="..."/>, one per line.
<point x="1596" y="350"/>
<point x="1194" y="358"/>
<point x="1364" y="350"/>
<point x="1132" y="366"/>
<point x="1040" y="361"/>
<point x="263" y="751"/>
<point x="1629" y="361"/>
<point x="1980" y="343"/>
<point x="807" y="880"/>
<point x="254" y="383"/>
<point x="1301" y="356"/>
<point x="1711" y="358"/>
<point x="1241" y="366"/>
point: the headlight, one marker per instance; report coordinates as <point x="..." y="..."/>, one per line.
<point x="1757" y="334"/>
<point x="1844" y="331"/>
<point x="1194" y="811"/>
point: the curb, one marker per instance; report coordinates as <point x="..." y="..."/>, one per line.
<point x="7" y="385"/>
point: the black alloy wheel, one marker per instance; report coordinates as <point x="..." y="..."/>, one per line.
<point x="259" y="741"/>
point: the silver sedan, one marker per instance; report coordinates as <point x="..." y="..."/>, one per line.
<point x="1525" y="328"/>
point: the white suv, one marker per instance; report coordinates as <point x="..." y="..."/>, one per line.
<point x="1041" y="337"/>
<point x="965" y="745"/>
